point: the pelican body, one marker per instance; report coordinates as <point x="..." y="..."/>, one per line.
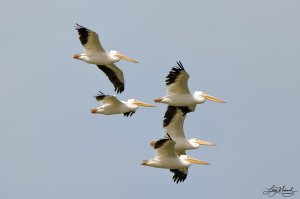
<point x="178" y="93"/>
<point x="166" y="158"/>
<point x="95" y="54"/>
<point x="173" y="125"/>
<point x="111" y="105"/>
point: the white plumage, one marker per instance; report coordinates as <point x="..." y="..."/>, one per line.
<point x="173" y="125"/>
<point x="178" y="93"/>
<point x="95" y="54"/>
<point x="166" y="158"/>
<point x="111" y="105"/>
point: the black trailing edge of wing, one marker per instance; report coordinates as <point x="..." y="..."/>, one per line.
<point x="119" y="86"/>
<point x="173" y="74"/>
<point x="184" y="109"/>
<point x="83" y="33"/>
<point x="179" y="176"/>
<point x="127" y="114"/>
<point x="160" y="142"/>
<point x="171" y="112"/>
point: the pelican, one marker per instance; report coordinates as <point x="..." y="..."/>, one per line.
<point x="178" y="93"/>
<point x="111" y="105"/>
<point x="95" y="54"/>
<point x="166" y="158"/>
<point x="173" y="125"/>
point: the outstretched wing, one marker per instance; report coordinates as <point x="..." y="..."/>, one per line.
<point x="89" y="39"/>
<point x="177" y="80"/>
<point x="164" y="148"/>
<point x="173" y="121"/>
<point x="115" y="75"/>
<point x="107" y="99"/>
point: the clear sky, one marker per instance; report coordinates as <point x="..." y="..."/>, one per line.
<point x="245" y="52"/>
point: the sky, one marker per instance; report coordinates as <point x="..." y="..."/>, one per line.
<point x="244" y="52"/>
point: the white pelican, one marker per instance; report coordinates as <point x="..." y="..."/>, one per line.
<point x="111" y="105"/>
<point x="166" y="158"/>
<point x="95" y="54"/>
<point x="178" y="93"/>
<point x="173" y="125"/>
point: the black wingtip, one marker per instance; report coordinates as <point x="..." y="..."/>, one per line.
<point x="175" y="71"/>
<point x="100" y="96"/>
<point x="119" y="89"/>
<point x="77" y="26"/>
<point x="160" y="142"/>
<point x="167" y="136"/>
<point x="169" y="114"/>
<point x="180" y="65"/>
<point x="101" y="93"/>
<point x="179" y="176"/>
<point x="119" y="85"/>
<point x="128" y="114"/>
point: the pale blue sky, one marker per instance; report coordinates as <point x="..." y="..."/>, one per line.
<point x="245" y="52"/>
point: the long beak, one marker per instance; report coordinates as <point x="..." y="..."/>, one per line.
<point x="202" y="142"/>
<point x="121" y="56"/>
<point x="212" y="98"/>
<point x="196" y="161"/>
<point x="139" y="103"/>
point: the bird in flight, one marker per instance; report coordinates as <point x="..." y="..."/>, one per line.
<point x="173" y="124"/>
<point x="166" y="158"/>
<point x="178" y="93"/>
<point x="111" y="105"/>
<point x="95" y="54"/>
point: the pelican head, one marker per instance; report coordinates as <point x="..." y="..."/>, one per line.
<point x="190" y="160"/>
<point x="139" y="103"/>
<point x="195" y="142"/>
<point x="201" y="97"/>
<point x="117" y="56"/>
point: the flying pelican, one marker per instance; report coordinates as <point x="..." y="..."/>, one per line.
<point x="95" y="54"/>
<point x="166" y="158"/>
<point x="178" y="93"/>
<point x="111" y="105"/>
<point x="173" y="125"/>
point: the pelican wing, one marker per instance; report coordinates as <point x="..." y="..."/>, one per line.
<point x="89" y="39"/>
<point x="108" y="99"/>
<point x="173" y="121"/>
<point x="177" y="80"/>
<point x="179" y="174"/>
<point x="115" y="75"/>
<point x="164" y="148"/>
<point x="128" y="114"/>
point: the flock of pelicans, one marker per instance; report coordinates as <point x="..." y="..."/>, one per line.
<point x="170" y="152"/>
